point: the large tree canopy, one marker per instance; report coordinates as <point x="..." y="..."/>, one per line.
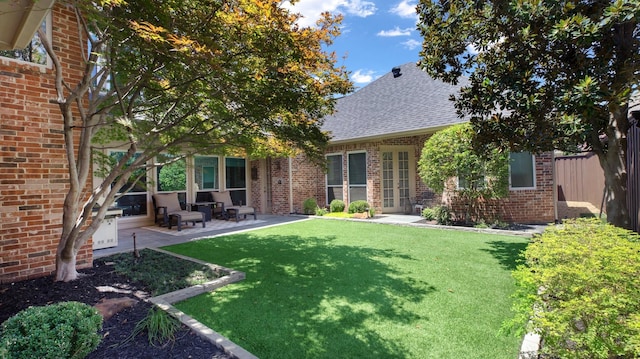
<point x="181" y="77"/>
<point x="544" y="75"/>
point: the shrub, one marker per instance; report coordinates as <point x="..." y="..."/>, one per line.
<point x="61" y="330"/>
<point x="358" y="206"/>
<point x="160" y="326"/>
<point x="321" y="211"/>
<point x="579" y="288"/>
<point x="337" y="205"/>
<point x="442" y="215"/>
<point x="309" y="206"/>
<point x="429" y="214"/>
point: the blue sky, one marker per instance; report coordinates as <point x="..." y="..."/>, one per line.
<point x="376" y="35"/>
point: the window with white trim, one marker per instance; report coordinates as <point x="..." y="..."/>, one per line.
<point x="522" y="170"/>
<point x="236" y="179"/>
<point x="134" y="201"/>
<point x="357" y="166"/>
<point x="334" y="177"/>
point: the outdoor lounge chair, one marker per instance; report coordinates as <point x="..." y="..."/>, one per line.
<point x="168" y="210"/>
<point x="223" y="199"/>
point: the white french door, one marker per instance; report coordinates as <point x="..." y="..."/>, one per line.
<point x="397" y="174"/>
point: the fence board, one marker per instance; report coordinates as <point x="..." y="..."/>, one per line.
<point x="580" y="178"/>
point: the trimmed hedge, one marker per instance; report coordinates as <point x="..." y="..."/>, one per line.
<point x="337" y="205"/>
<point x="57" y="331"/>
<point x="358" y="206"/>
<point x="580" y="290"/>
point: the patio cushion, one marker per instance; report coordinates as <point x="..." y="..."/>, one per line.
<point x="169" y="201"/>
<point x="223" y="197"/>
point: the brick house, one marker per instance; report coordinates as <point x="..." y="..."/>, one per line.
<point x="34" y="176"/>
<point x="377" y="137"/>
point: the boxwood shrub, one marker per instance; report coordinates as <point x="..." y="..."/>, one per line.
<point x="358" y="206"/>
<point x="579" y="288"/>
<point x="337" y="205"/>
<point x="61" y="330"/>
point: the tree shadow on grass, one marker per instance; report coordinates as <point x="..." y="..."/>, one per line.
<point x="508" y="254"/>
<point x="305" y="296"/>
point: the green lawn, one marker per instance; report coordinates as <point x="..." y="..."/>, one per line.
<point x="342" y="289"/>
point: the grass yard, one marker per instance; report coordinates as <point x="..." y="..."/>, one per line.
<point x="343" y="289"/>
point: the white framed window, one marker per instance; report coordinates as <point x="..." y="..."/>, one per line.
<point x="206" y="172"/>
<point x="334" y="177"/>
<point x="235" y="172"/>
<point x="34" y="53"/>
<point x="133" y="202"/>
<point x="357" y="176"/>
<point x="522" y="170"/>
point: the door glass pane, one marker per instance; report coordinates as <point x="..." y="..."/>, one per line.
<point x="403" y="178"/>
<point x="387" y="179"/>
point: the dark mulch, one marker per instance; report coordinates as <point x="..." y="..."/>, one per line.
<point x="15" y="297"/>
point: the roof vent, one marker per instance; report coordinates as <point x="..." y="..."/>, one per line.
<point x="396" y="72"/>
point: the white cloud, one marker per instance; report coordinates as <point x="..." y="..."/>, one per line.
<point x="471" y="49"/>
<point x="411" y="44"/>
<point x="406" y="9"/>
<point x="312" y="9"/>
<point x="363" y="76"/>
<point x="395" y="32"/>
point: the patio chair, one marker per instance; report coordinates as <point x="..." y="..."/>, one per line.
<point x="167" y="209"/>
<point x="223" y="200"/>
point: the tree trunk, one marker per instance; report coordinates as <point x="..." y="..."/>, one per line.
<point x="66" y="263"/>
<point x="614" y="163"/>
<point x="615" y="181"/>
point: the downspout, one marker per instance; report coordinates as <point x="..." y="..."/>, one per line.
<point x="555" y="187"/>
<point x="291" y="186"/>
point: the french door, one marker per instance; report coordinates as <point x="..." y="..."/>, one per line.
<point x="397" y="179"/>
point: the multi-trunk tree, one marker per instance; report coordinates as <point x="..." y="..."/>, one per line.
<point x="544" y="75"/>
<point x="184" y="77"/>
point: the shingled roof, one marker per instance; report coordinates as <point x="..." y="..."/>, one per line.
<point x="412" y="103"/>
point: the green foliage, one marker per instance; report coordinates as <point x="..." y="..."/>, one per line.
<point x="173" y="175"/>
<point x="544" y="75"/>
<point x="56" y="331"/>
<point x="159" y="325"/>
<point x="337" y="205"/>
<point x="162" y="273"/>
<point x="358" y="206"/>
<point x="449" y="154"/>
<point x="580" y="289"/>
<point x="442" y="215"/>
<point x="321" y="211"/>
<point x="309" y="205"/>
<point x="251" y="83"/>
<point x="429" y="214"/>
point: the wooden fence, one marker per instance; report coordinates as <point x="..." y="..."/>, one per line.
<point x="580" y="178"/>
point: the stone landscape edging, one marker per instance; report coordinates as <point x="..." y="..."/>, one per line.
<point x="166" y="301"/>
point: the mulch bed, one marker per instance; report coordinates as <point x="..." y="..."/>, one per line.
<point x="116" y="330"/>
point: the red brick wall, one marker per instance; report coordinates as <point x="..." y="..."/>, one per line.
<point x="524" y="206"/>
<point x="34" y="172"/>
